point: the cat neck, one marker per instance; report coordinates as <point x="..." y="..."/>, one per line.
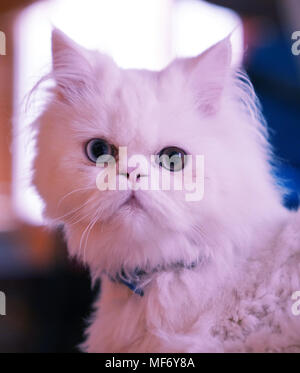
<point x="139" y="278"/>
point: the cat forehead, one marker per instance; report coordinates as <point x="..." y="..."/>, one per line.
<point x="141" y="108"/>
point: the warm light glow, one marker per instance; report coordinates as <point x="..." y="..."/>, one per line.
<point x="198" y="25"/>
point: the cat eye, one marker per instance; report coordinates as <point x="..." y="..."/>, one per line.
<point x="95" y="148"/>
<point x="171" y="158"/>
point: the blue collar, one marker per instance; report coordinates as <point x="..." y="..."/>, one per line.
<point x="133" y="283"/>
<point x="136" y="279"/>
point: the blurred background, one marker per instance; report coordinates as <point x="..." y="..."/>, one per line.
<point x="49" y="297"/>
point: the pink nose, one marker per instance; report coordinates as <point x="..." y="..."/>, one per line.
<point x="132" y="175"/>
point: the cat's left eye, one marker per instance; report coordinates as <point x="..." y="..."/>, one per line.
<point x="96" y="148"/>
<point x="171" y="158"/>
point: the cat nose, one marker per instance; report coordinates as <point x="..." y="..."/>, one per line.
<point x="132" y="175"/>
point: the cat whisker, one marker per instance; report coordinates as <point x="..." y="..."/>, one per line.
<point x="86" y="232"/>
<point x="73" y="211"/>
<point x="73" y="191"/>
<point x="79" y="220"/>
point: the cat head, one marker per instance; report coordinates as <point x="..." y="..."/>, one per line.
<point x="195" y="106"/>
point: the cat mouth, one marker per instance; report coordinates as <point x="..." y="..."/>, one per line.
<point x="132" y="202"/>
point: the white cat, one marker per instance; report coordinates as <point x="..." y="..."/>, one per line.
<point x="177" y="276"/>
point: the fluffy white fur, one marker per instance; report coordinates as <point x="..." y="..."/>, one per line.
<point x="238" y="298"/>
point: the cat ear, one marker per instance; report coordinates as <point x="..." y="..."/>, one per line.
<point x="70" y="66"/>
<point x="207" y="75"/>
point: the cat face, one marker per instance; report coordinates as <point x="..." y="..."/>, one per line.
<point x="98" y="109"/>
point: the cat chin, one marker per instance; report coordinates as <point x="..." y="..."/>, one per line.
<point x="136" y="243"/>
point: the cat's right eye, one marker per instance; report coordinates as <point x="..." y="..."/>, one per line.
<point x="96" y="148"/>
<point x="171" y="158"/>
